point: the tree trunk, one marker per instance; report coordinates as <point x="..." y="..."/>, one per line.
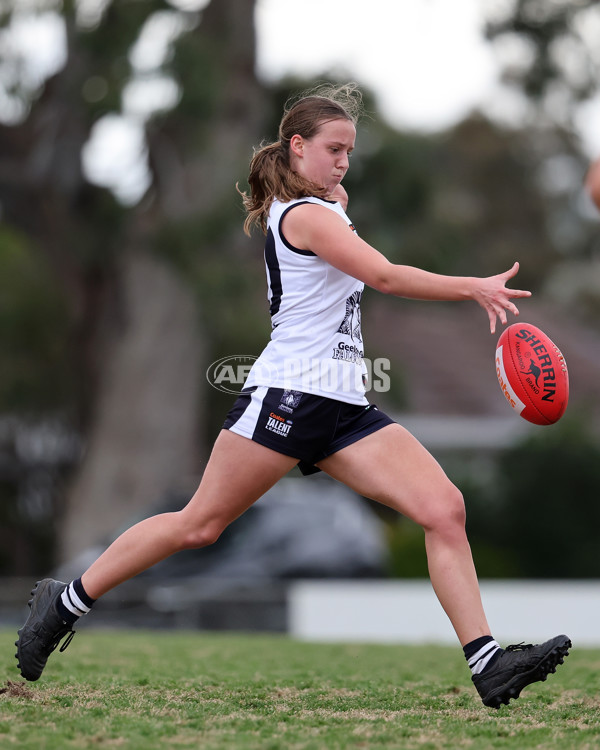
<point x="142" y="440"/>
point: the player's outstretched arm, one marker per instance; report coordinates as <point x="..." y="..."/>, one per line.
<point x="312" y="227"/>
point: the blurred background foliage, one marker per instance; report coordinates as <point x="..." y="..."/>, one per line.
<point x="83" y="262"/>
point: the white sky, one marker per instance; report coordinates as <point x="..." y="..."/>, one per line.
<point x="426" y="60"/>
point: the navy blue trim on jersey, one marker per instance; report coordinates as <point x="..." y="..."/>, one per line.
<point x="274" y="273"/>
<point x="283" y="238"/>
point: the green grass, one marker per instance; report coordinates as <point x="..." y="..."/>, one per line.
<point x="132" y="689"/>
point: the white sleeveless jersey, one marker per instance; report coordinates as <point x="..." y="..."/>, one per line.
<point x="316" y="345"/>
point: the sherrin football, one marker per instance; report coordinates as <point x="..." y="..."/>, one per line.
<point x="532" y="374"/>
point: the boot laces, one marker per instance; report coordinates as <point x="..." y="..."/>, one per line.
<point x="52" y="646"/>
<point x="519" y="646"/>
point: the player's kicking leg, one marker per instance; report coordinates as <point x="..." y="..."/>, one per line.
<point x="238" y="473"/>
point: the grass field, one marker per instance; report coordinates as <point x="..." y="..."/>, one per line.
<point x="146" y="690"/>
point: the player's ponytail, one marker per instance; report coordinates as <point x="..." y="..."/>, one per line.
<point x="270" y="176"/>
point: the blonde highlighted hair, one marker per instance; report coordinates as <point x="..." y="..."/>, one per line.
<point x="270" y="173"/>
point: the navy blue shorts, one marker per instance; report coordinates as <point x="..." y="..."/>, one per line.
<point x="301" y="425"/>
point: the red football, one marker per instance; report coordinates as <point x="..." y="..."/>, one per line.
<point x="532" y="374"/>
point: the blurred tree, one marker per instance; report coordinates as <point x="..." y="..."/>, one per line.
<point x="550" y="53"/>
<point x="130" y="377"/>
<point x="551" y="74"/>
<point x="547" y="513"/>
<point x="34" y="323"/>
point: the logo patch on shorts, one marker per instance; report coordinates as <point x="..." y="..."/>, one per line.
<point x="278" y="425"/>
<point x="290" y="400"/>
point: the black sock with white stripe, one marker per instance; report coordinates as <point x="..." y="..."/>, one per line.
<point x="482" y="653"/>
<point x="74" y="602"/>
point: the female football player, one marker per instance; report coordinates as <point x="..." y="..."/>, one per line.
<point x="304" y="402"/>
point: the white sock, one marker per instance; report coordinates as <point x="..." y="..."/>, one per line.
<point x="72" y="602"/>
<point x="479" y="661"/>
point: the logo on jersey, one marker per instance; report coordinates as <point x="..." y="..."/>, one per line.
<point x="350" y="325"/>
<point x="348" y="353"/>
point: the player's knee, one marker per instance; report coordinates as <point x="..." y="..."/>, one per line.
<point x="454" y="514"/>
<point x="203" y="536"/>
<point x="447" y="514"/>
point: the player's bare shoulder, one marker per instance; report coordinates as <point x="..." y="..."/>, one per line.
<point x="307" y="223"/>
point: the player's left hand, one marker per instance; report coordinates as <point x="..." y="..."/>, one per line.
<point x="340" y="195"/>
<point x="493" y="295"/>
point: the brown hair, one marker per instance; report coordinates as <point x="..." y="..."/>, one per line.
<point x="270" y="173"/>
